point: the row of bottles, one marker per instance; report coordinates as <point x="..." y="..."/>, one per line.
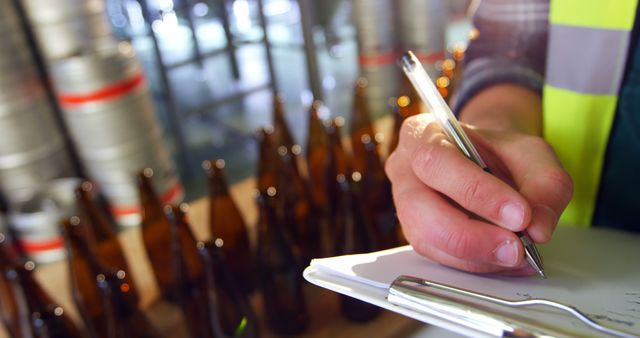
<point x="335" y="200"/>
<point x="196" y="276"/>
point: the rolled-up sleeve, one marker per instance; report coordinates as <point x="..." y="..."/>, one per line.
<point x="509" y="46"/>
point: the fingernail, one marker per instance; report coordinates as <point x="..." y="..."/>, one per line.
<point x="543" y="221"/>
<point x="511" y="215"/>
<point x="507" y="253"/>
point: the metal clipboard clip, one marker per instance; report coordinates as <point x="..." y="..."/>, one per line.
<point x="436" y="299"/>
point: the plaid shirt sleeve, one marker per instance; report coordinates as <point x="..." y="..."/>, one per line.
<point x="510" y="47"/>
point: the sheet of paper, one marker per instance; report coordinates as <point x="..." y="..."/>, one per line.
<point x="595" y="270"/>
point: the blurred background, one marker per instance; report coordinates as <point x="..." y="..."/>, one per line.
<point x="99" y="89"/>
<point x="213" y="66"/>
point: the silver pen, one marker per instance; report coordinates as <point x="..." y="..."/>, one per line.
<point x="439" y="108"/>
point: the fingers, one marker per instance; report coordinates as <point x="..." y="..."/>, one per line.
<point x="434" y="225"/>
<point x="524" y="269"/>
<point x="425" y="168"/>
<point x="440" y="165"/>
<point x="544" y="183"/>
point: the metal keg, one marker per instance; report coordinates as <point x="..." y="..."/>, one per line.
<point x="374" y="22"/>
<point x="422" y="29"/>
<point x="32" y="150"/>
<point x="67" y="27"/>
<point x="36" y="222"/>
<point x="111" y="119"/>
<point x="376" y="35"/>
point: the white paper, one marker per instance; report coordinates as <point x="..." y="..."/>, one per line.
<point x="595" y="270"/>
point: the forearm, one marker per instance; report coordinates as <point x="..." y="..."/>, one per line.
<point x="505" y="107"/>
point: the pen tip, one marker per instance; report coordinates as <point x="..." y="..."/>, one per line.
<point x="542" y="274"/>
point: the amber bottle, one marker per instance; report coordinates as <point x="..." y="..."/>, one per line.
<point x="360" y="124"/>
<point x="280" y="275"/>
<point x="403" y="108"/>
<point x="13" y="310"/>
<point x="317" y="151"/>
<point x="355" y="237"/>
<point x="339" y="164"/>
<point x="122" y="308"/>
<point x="189" y="273"/>
<point x="375" y="193"/>
<point x="267" y="160"/>
<point x="296" y="211"/>
<point x="101" y="231"/>
<point x="83" y="269"/>
<point x="228" y="227"/>
<point x="318" y="165"/>
<point x="102" y="293"/>
<point x="229" y="311"/>
<point x="156" y="234"/>
<point x="46" y="319"/>
<point x="282" y="133"/>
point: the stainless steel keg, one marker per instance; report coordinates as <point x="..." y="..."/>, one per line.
<point x="422" y="29"/>
<point x="374" y="21"/>
<point x="36" y="222"/>
<point x="32" y="150"/>
<point x="67" y="27"/>
<point x="109" y="112"/>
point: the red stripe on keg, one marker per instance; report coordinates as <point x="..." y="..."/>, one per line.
<point x="108" y="92"/>
<point x="430" y="57"/>
<point x="134" y="209"/>
<point x="45" y="245"/>
<point x="378" y="59"/>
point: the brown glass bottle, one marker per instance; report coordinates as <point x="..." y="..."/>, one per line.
<point x="282" y="133"/>
<point x="83" y="269"/>
<point x="280" y="275"/>
<point x="267" y="160"/>
<point x="339" y="164"/>
<point x="402" y="109"/>
<point x="360" y="124"/>
<point x="228" y="227"/>
<point x="102" y="293"/>
<point x="189" y="273"/>
<point x="296" y="211"/>
<point x="46" y="318"/>
<point x="355" y="237"/>
<point x="318" y="166"/>
<point x="122" y="309"/>
<point x="101" y="231"/>
<point x="13" y="312"/>
<point x="317" y="151"/>
<point x="229" y="311"/>
<point x="156" y="234"/>
<point x="375" y="193"/>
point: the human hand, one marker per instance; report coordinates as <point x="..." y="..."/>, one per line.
<point x="438" y="192"/>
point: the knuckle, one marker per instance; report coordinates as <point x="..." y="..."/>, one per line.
<point x="536" y="142"/>
<point x="561" y="181"/>
<point x="427" y="161"/>
<point x="458" y="244"/>
<point x="471" y="192"/>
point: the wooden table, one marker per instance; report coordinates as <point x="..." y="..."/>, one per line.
<point x="323" y="305"/>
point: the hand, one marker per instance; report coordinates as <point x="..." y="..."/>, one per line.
<point x="438" y="192"/>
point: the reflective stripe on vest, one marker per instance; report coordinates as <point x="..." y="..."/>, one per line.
<point x="588" y="42"/>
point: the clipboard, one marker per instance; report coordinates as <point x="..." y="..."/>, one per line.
<point x="594" y="271"/>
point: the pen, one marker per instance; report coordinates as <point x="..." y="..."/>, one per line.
<point x="434" y="101"/>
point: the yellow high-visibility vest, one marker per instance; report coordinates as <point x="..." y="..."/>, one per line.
<point x="586" y="57"/>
